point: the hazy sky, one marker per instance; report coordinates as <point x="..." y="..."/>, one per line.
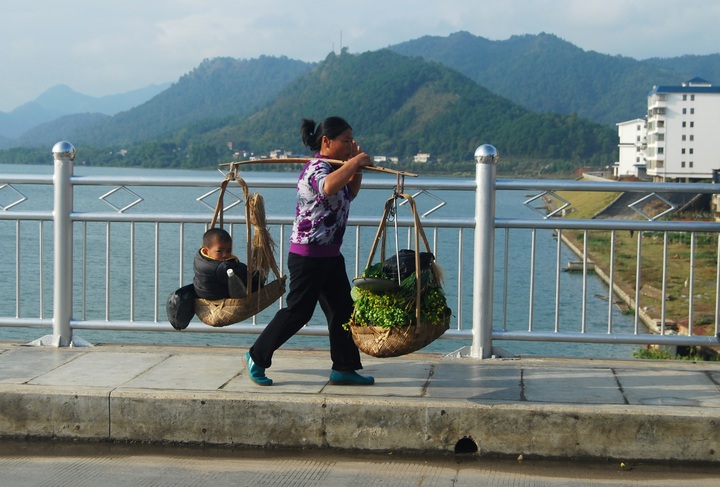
<point x="108" y="47"/>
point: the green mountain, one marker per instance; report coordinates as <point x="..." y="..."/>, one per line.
<point x="65" y="127"/>
<point x="217" y="90"/>
<point x="541" y="72"/>
<point x="544" y="73"/>
<point x="706" y="67"/>
<point x="399" y="106"/>
<point x="532" y="96"/>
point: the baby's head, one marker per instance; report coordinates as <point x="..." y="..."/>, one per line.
<point x="217" y="244"/>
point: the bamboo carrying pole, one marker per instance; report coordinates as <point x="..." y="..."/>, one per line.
<point x="303" y="160"/>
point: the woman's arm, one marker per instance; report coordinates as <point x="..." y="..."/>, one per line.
<point x="349" y="174"/>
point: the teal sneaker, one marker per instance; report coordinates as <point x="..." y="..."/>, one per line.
<point x="255" y="372"/>
<point x="350" y="378"/>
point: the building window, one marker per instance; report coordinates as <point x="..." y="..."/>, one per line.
<point x="684" y="97"/>
<point x="692" y="124"/>
<point x="691" y="150"/>
<point x="684" y="124"/>
<point x="683" y="138"/>
<point x="692" y="98"/>
<point x="682" y="164"/>
<point x="692" y="111"/>
<point x="692" y="137"/>
<point x="682" y="151"/>
<point x="691" y="163"/>
<point x="684" y="111"/>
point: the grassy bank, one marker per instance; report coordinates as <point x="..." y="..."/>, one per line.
<point x="677" y="276"/>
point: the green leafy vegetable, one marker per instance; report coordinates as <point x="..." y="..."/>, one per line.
<point x="397" y="308"/>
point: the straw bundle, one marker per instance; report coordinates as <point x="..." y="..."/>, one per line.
<point x="263" y="245"/>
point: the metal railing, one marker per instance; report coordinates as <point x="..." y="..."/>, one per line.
<point x="98" y="257"/>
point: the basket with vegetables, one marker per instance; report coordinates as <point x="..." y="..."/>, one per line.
<point x="384" y="322"/>
<point x="399" y="303"/>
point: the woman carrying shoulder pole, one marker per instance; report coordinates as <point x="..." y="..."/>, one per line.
<point x="316" y="265"/>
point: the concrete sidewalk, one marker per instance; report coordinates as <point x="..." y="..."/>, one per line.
<point x="550" y="408"/>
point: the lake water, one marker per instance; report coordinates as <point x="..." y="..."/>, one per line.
<point x="369" y="203"/>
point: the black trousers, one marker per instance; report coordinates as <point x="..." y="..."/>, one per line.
<point x="313" y="280"/>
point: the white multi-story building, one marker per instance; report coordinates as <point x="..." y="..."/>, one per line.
<point x="631" y="161"/>
<point x="682" y="125"/>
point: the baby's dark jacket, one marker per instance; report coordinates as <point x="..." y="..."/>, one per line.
<point x="211" y="280"/>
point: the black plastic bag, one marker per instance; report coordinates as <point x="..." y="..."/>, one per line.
<point x="181" y="307"/>
<point x="407" y="263"/>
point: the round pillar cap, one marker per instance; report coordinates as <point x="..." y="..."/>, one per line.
<point x="486" y="154"/>
<point x="64" y="151"/>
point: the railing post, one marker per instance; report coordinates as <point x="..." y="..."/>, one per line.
<point x="64" y="154"/>
<point x="486" y="158"/>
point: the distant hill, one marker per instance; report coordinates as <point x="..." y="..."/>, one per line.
<point x="65" y="100"/>
<point x="706" y="67"/>
<point x="216" y="90"/>
<point x="544" y="73"/>
<point x="401" y="106"/>
<point x="398" y="106"/>
<point x="541" y="72"/>
<point x="25" y="117"/>
<point x="61" y="100"/>
<point x="536" y="97"/>
<point x="62" y="128"/>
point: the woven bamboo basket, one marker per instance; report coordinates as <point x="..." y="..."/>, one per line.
<point x="394" y="342"/>
<point x="383" y="342"/>
<point x="224" y="312"/>
<point x="260" y="262"/>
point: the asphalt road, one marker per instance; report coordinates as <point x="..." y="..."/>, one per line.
<point x="44" y="463"/>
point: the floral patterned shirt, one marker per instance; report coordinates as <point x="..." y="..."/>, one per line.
<point x="320" y="218"/>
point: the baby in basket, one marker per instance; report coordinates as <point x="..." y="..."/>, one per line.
<point x="211" y="266"/>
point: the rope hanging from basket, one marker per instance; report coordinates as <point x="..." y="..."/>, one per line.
<point x="219" y="215"/>
<point x="381" y="237"/>
<point x="260" y="244"/>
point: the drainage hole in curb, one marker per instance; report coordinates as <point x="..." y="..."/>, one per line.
<point x="466" y="445"/>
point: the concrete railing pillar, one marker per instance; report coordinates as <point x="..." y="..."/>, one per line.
<point x="486" y="158"/>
